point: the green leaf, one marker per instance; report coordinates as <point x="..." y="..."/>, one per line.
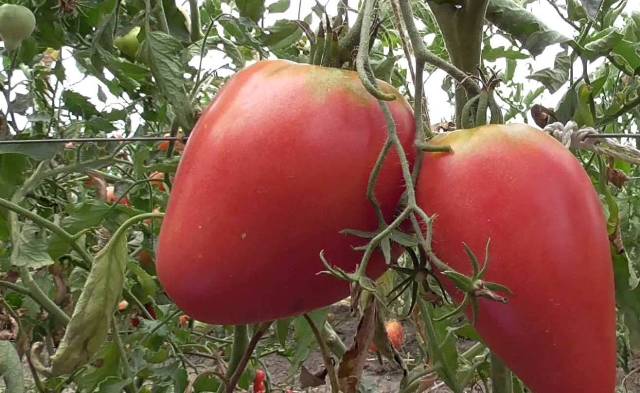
<point x="37" y="151"/>
<point x="627" y="296"/>
<point x="385" y="246"/>
<point x="11" y="367"/>
<point x="442" y="347"/>
<point x="31" y="249"/>
<point x="92" y="315"/>
<point x="146" y="281"/>
<point x="304" y="338"/>
<point x="112" y="385"/>
<point x="524" y="26"/>
<point x="554" y="78"/>
<point x="567" y="105"/>
<point x="85" y="215"/>
<point x="603" y="43"/>
<point x="592" y="7"/>
<point x="178" y="24"/>
<point x="629" y="51"/>
<point x="575" y="11"/>
<point x="109" y="357"/>
<point x="252" y="9"/>
<point x="78" y="104"/>
<point x="283" y="34"/>
<point x="282" y="331"/>
<point x="12" y="173"/>
<point x="493" y="54"/>
<point x="279" y="6"/>
<point x="161" y="54"/>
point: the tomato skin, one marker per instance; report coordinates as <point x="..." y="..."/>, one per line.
<point x="549" y="245"/>
<point x="273" y="170"/>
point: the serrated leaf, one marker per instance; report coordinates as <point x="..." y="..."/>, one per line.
<point x="603" y="43"/>
<point x="78" y="104"/>
<point x="554" y="78"/>
<point x="31" y="249"/>
<point x="89" y="325"/>
<point x="524" y="26"/>
<point x="161" y="54"/>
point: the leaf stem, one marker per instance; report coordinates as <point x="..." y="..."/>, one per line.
<point x="326" y="357"/>
<point x="42" y="299"/>
<point x="57" y="230"/>
<point x="244" y="360"/>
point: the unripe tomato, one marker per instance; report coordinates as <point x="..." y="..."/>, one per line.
<point x="275" y="168"/>
<point x="523" y="190"/>
<point x="128" y="44"/>
<point x="17" y="23"/>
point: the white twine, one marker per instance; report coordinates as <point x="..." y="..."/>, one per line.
<point x="571" y="136"/>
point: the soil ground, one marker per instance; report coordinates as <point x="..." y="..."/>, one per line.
<point x="385" y="377"/>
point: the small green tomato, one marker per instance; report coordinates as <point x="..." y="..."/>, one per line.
<point x="16" y="24"/>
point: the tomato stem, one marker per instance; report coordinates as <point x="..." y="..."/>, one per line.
<point x="501" y="380"/>
<point x="242" y="352"/>
<point x="326" y="357"/>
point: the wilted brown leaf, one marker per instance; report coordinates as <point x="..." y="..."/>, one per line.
<point x="352" y="363"/>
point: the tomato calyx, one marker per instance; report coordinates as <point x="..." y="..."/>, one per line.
<point x="475" y="286"/>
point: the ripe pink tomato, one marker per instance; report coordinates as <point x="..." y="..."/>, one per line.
<point x="523" y="190"/>
<point x="275" y="168"/>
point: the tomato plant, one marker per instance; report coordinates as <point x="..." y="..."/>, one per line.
<point x="523" y="191"/>
<point x="309" y="146"/>
<point x="261" y="190"/>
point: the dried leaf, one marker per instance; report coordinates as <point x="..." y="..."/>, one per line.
<point x="352" y="363"/>
<point x="91" y="318"/>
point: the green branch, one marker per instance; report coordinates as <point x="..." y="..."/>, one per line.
<point x="462" y="32"/>
<point x="422" y="53"/>
<point x="194" y="12"/>
<point x="39" y="296"/>
<point x="55" y="229"/>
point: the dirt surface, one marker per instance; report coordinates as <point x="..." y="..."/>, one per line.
<point x="378" y="377"/>
<point x="386" y="377"/>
